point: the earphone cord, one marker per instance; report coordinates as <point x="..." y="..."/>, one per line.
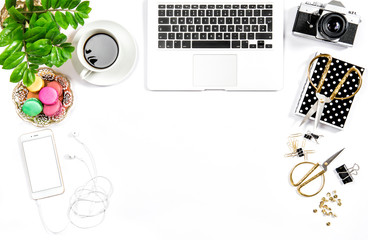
<point x="89" y="201"/>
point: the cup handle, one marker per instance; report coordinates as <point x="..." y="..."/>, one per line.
<point x="85" y="73"/>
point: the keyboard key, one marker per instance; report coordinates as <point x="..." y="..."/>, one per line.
<point x="171" y="35"/>
<point x="217" y="13"/>
<point x="205" y="20"/>
<point x="209" y="13"/>
<point x="253" y="20"/>
<point x="269" y="6"/>
<point x="177" y="44"/>
<point x="161" y="6"/>
<point x="225" y="13"/>
<point x="262" y="28"/>
<point x="189" y="20"/>
<point x="268" y="45"/>
<point x="187" y="36"/>
<point x="169" y="44"/>
<point x="211" y="6"/>
<point x="226" y="35"/>
<point x="235" y="44"/>
<point x="207" y="28"/>
<point x="164" y="28"/>
<point x="227" y="6"/>
<point x="246" y="28"/>
<point x="186" y="6"/>
<point x="185" y="44"/>
<point x="195" y="36"/>
<point x="211" y="36"/>
<point x="234" y="36"/>
<point x="254" y="28"/>
<point x="239" y="28"/>
<point x="173" y="20"/>
<point x="252" y="46"/>
<point x="191" y="28"/>
<point x="261" y="20"/>
<point x="163" y="20"/>
<point x="245" y="44"/>
<point x="170" y="6"/>
<point x="244" y="6"/>
<point x="221" y="20"/>
<point x="241" y="13"/>
<point x="213" y="20"/>
<point x="203" y="36"/>
<point x="229" y="20"/>
<point x="179" y="36"/>
<point x="233" y="13"/>
<point x="203" y="6"/>
<point x="218" y="35"/>
<point x="236" y="20"/>
<point x="257" y="13"/>
<point x="161" y="13"/>
<point x="215" y="28"/>
<point x="263" y="35"/>
<point x="181" y="20"/>
<point x="245" y="20"/>
<point x="269" y="24"/>
<point x="236" y="6"/>
<point x="260" y="6"/>
<point x="230" y="28"/>
<point x="219" y="6"/>
<point x="195" y="6"/>
<point x="161" y="44"/>
<point x="260" y="44"/>
<point x="177" y="13"/>
<point x="243" y="36"/>
<point x="223" y="28"/>
<point x="193" y="13"/>
<point x="197" y="20"/>
<point x="211" y="44"/>
<point x="252" y="6"/>
<point x="249" y="13"/>
<point x="175" y="28"/>
<point x="183" y="28"/>
<point x="185" y="13"/>
<point x="169" y="13"/>
<point x="199" y="28"/>
<point x="201" y="13"/>
<point x="162" y="36"/>
<point x="250" y="36"/>
<point x="178" y="6"/>
<point x="266" y="13"/>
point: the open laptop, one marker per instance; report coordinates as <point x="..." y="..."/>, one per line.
<point x="214" y="45"/>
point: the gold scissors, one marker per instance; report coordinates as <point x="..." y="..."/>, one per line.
<point x="303" y="182"/>
<point x="322" y="100"/>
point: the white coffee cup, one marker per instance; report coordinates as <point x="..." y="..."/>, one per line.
<point x="88" y="68"/>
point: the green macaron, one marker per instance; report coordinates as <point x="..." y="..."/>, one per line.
<point x="32" y="107"/>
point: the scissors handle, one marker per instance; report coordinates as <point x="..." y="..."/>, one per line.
<point x="302" y="183"/>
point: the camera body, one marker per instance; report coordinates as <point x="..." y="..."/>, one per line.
<point x="330" y="22"/>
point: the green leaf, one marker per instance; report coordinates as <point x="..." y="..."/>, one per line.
<point x="79" y="19"/>
<point x="66" y="54"/>
<point x="33" y="66"/>
<point x="40" y="22"/>
<point x="55" y="4"/>
<point x="32" y="20"/>
<point x="8" y="21"/>
<point x="51" y="25"/>
<point x="65" y="3"/>
<point x="52" y="34"/>
<point x="6" y="34"/>
<point x="59" y="39"/>
<point x="17" y="33"/>
<point x="30" y="4"/>
<point x="14" y="60"/>
<point x="16" y="14"/>
<point x="83" y="6"/>
<point x="71" y="20"/>
<point x="74" y="4"/>
<point x="28" y="77"/>
<point x="34" y="34"/>
<point x="36" y="60"/>
<point x="41" y="47"/>
<point x="18" y="72"/>
<point x="82" y="14"/>
<point x="10" y="3"/>
<point x="45" y="4"/>
<point x="61" y="20"/>
<point x="48" y="16"/>
<point x="15" y="46"/>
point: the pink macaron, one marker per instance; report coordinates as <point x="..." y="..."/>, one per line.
<point x="52" y="110"/>
<point x="48" y="96"/>
<point x="56" y="86"/>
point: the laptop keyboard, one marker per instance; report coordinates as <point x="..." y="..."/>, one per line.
<point x="238" y="26"/>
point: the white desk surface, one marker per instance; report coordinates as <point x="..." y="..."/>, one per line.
<point x="192" y="165"/>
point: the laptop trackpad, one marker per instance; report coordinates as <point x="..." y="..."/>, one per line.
<point x="215" y="71"/>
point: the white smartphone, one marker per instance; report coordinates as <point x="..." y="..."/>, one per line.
<point x="42" y="164"/>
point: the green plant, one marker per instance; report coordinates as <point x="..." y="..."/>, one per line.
<point x="32" y="35"/>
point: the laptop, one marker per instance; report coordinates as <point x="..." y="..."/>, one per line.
<point x="214" y="45"/>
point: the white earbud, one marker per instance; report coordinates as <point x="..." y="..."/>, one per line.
<point x="70" y="156"/>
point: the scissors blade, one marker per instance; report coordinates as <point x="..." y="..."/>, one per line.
<point x="328" y="161"/>
<point x="320" y="107"/>
<point x="309" y="114"/>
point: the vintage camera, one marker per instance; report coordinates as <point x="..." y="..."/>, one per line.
<point x="330" y="22"/>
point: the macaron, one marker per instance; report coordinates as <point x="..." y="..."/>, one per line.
<point x="37" y="85"/>
<point x="32" y="95"/>
<point x="56" y="86"/>
<point x="48" y="96"/>
<point x="52" y="110"/>
<point x="32" y="107"/>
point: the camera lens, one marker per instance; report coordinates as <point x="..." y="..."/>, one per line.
<point x="332" y="25"/>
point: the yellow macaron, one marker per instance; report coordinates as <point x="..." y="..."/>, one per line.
<point x="37" y="85"/>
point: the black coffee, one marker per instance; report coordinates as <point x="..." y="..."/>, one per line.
<point x="101" y="50"/>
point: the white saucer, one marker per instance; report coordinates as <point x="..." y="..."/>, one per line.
<point x="121" y="69"/>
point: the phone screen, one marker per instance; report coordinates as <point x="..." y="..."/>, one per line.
<point x="42" y="164"/>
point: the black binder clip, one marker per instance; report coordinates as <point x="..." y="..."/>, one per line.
<point x="309" y="135"/>
<point x="345" y="173"/>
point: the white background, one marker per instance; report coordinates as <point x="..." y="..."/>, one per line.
<point x="192" y="165"/>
